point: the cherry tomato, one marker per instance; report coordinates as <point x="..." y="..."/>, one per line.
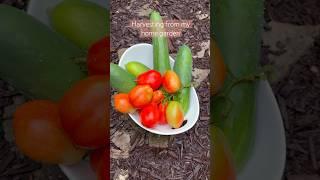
<point x="39" y="135"/>
<point x="140" y="96"/>
<point x="84" y="112"/>
<point x="152" y="78"/>
<point x="150" y="115"/>
<point x="157" y="96"/>
<point x="171" y="82"/>
<point x="162" y="110"/>
<point x="99" y="160"/>
<point x="174" y="114"/>
<point x="219" y="69"/>
<point x="122" y="103"/>
<point x="98" y="57"/>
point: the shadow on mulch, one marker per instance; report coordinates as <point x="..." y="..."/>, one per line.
<point x="298" y="93"/>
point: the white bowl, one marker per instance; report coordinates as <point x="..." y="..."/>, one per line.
<point x="269" y="152"/>
<point x="39" y="10"/>
<point x="143" y="53"/>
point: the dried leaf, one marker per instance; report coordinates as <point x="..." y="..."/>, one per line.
<point x="291" y="42"/>
<point x="204" y="46"/>
<point x="199" y="75"/>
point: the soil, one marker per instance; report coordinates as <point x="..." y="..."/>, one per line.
<point x="297" y="94"/>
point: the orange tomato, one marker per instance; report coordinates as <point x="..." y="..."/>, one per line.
<point x="171" y="82"/>
<point x="221" y="162"/>
<point x="140" y="96"/>
<point x="157" y="96"/>
<point x="122" y="103"/>
<point x="38" y="134"/>
<point x="84" y="112"/>
<point x="219" y="73"/>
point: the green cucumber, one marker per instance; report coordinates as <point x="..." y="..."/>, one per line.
<point x="183" y="68"/>
<point x="136" y="68"/>
<point x="237" y="29"/>
<point x="80" y="21"/>
<point x="35" y="59"/>
<point x="161" y="61"/>
<point x="120" y="79"/>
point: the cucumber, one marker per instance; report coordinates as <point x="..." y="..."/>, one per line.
<point x="35" y="59"/>
<point x="136" y="68"/>
<point x="237" y="27"/>
<point x="120" y="79"/>
<point x="160" y="45"/>
<point x="80" y="21"/>
<point x="183" y="68"/>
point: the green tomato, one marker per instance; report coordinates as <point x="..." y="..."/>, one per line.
<point x="136" y="68"/>
<point x="80" y="21"/>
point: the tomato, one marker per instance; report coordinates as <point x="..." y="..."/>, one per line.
<point x="39" y="135"/>
<point x="81" y="21"/>
<point x="150" y="115"/>
<point x="84" y="112"/>
<point x="162" y="110"/>
<point x="98" y="57"/>
<point x="174" y="114"/>
<point x="104" y="172"/>
<point x="99" y="161"/>
<point x="171" y="82"/>
<point x="219" y="69"/>
<point x="122" y="103"/>
<point x="221" y="159"/>
<point x="140" y="96"/>
<point x="136" y="68"/>
<point x="157" y="96"/>
<point x="96" y="159"/>
<point x="152" y="78"/>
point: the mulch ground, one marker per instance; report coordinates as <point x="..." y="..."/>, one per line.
<point x="184" y="156"/>
<point x="299" y="91"/>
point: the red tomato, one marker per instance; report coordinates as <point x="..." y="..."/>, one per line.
<point x="152" y="78"/>
<point x="104" y="172"/>
<point x="39" y="135"/>
<point x="96" y="159"/>
<point x="99" y="160"/>
<point x="150" y="115"/>
<point x="157" y="96"/>
<point x="174" y="114"/>
<point x="98" y="57"/>
<point x="162" y="110"/>
<point x="84" y="112"/>
<point x="140" y="96"/>
<point x="122" y="103"/>
<point x="171" y="82"/>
